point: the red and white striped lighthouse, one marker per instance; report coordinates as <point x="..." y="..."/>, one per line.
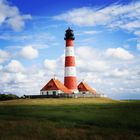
<point x="70" y="71"/>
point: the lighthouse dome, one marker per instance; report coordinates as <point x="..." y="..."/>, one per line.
<point x="69" y="34"/>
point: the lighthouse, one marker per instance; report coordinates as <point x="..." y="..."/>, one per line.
<point x="54" y="88"/>
<point x="70" y="80"/>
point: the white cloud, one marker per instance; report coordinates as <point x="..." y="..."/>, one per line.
<point x="89" y="60"/>
<point x="55" y="66"/>
<point x="1" y="67"/>
<point x="20" y="77"/>
<point x="5" y="78"/>
<point x="4" y="56"/>
<point x="138" y="46"/>
<point x="11" y="16"/>
<point x="85" y="52"/>
<point x="87" y="32"/>
<point x="119" y="53"/>
<point x="29" y="52"/>
<point x="137" y="32"/>
<point x="113" y="16"/>
<point x="78" y="16"/>
<point x="117" y="73"/>
<point x="23" y="82"/>
<point x="14" y="67"/>
<point x="90" y="32"/>
<point x="50" y="64"/>
<point x="131" y="25"/>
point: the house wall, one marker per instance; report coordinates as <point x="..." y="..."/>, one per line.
<point x="51" y="92"/>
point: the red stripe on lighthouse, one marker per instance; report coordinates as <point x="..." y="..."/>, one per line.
<point x="69" y="61"/>
<point x="69" y="43"/>
<point x="70" y="82"/>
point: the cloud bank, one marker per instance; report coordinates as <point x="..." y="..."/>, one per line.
<point x="114" y="77"/>
<point x="114" y="16"/>
<point x="11" y="16"/>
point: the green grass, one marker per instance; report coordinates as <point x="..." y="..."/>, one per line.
<point x="66" y="119"/>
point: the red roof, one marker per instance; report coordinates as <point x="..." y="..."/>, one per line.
<point x="55" y="84"/>
<point x="85" y="87"/>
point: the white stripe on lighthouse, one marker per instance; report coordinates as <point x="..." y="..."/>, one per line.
<point x="70" y="71"/>
<point x="69" y="51"/>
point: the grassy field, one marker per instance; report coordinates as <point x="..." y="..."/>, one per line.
<point x="69" y="119"/>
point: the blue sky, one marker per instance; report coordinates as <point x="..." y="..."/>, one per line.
<point x="107" y="45"/>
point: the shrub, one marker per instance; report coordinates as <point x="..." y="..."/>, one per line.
<point x="8" y="97"/>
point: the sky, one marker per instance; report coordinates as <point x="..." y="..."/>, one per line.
<point x="107" y="44"/>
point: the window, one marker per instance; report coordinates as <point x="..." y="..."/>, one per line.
<point x="54" y="93"/>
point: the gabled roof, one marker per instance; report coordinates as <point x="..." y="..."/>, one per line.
<point x="55" y="84"/>
<point x="85" y="87"/>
